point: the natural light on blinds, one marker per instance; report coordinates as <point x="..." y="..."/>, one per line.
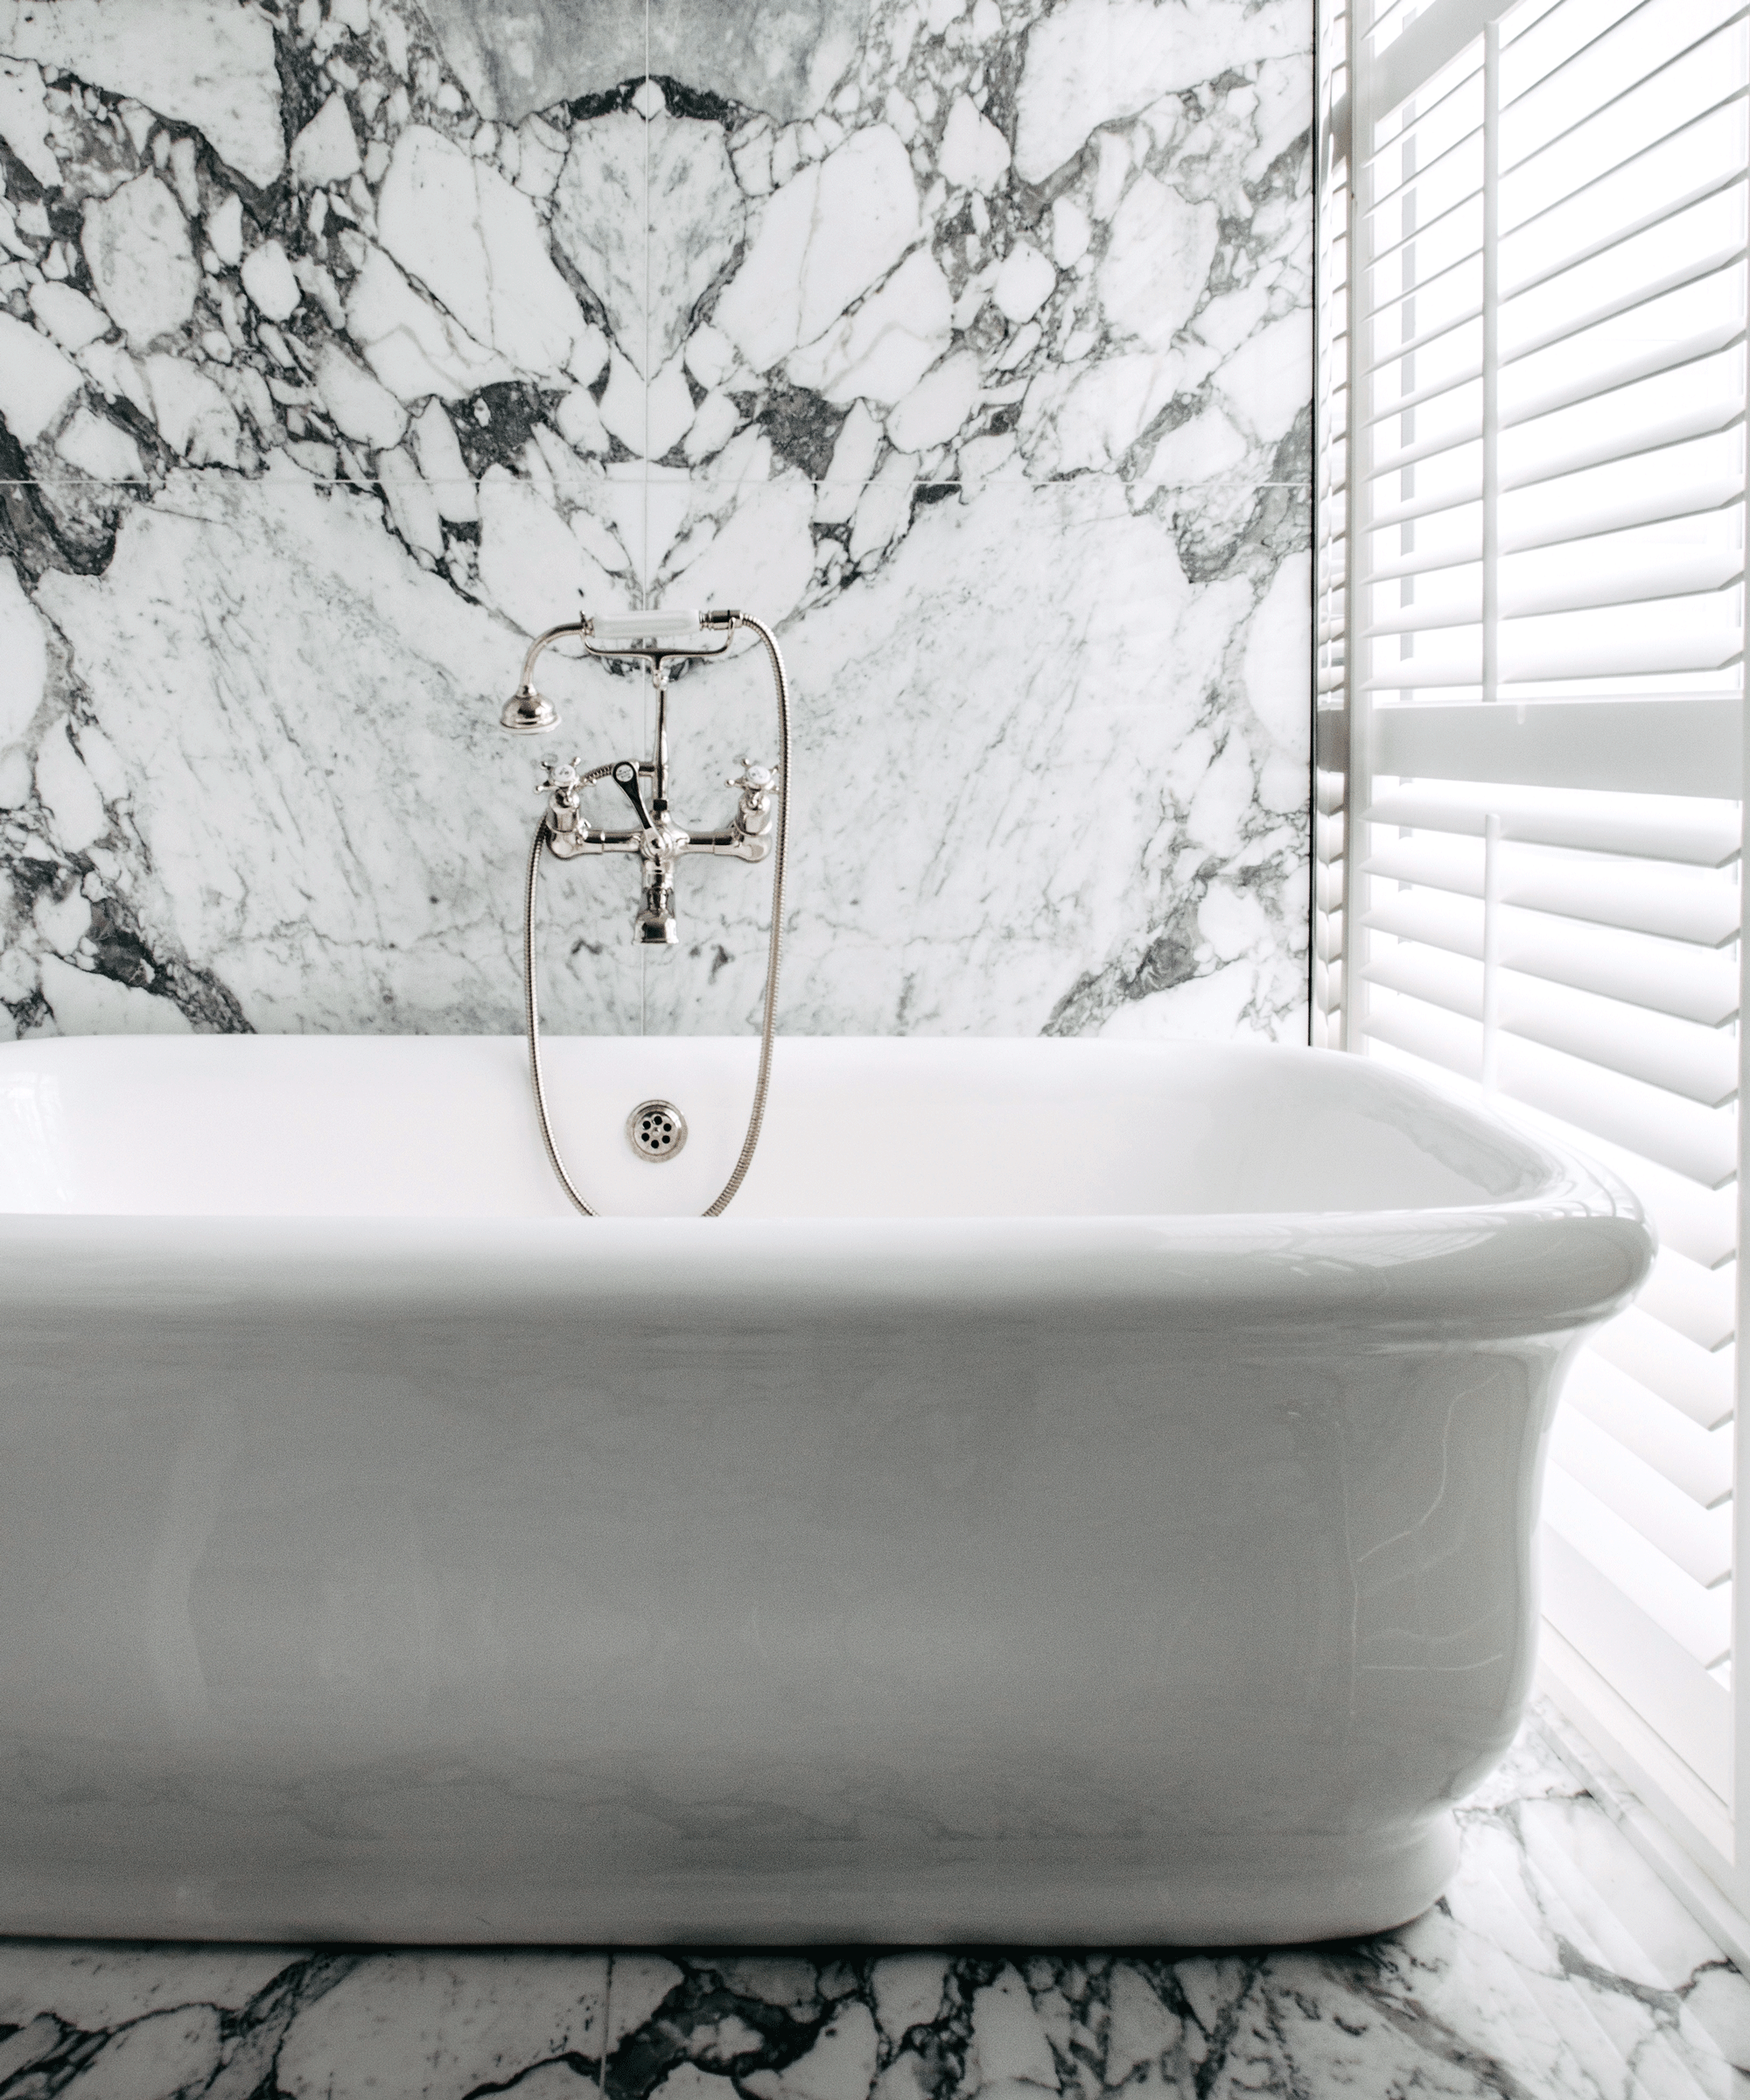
<point x="1531" y="623"/>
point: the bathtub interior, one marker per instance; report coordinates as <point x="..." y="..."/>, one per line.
<point x="442" y="1126"/>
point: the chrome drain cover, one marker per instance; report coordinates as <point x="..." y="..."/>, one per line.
<point x="656" y="1130"/>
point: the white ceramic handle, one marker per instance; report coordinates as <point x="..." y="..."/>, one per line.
<point x="643" y="626"/>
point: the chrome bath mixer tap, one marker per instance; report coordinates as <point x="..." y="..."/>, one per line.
<point x="658" y="639"/>
<point x="657" y="839"/>
<point x="755" y="832"/>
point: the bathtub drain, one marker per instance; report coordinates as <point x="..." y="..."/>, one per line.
<point x="656" y="1130"/>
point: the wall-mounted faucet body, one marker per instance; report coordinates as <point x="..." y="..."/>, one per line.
<point x="658" y="840"/>
<point x="753" y="832"/>
<point x="658" y="639"/>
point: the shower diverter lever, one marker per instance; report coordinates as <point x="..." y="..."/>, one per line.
<point x="626" y="778"/>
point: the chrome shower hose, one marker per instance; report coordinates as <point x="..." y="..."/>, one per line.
<point x="779" y="851"/>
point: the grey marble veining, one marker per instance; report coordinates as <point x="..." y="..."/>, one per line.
<point x="341" y="348"/>
<point x="518" y="59"/>
<point x="1556" y="1968"/>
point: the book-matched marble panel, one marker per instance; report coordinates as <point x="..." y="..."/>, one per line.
<point x="340" y="352"/>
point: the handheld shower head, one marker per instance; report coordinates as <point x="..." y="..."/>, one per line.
<point x="657" y="635"/>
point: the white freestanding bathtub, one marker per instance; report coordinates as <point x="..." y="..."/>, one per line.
<point x="1081" y="1492"/>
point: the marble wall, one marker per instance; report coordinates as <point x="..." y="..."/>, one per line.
<point x="343" y="343"/>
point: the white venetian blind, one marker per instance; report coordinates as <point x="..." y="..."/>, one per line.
<point x="1532" y="475"/>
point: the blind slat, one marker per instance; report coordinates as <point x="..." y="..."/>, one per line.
<point x="1433" y="236"/>
<point x="1691" y="1300"/>
<point x="1691" y="276"/>
<point x="1673" y="152"/>
<point x="1449" y="120"/>
<point x="1453" y="597"/>
<point x="1699" y="1620"/>
<point x="1705" y="220"/>
<point x="1642" y="268"/>
<point x="1697" y="1540"/>
<point x="1698" y="320"/>
<point x="1653" y="745"/>
<point x="1659" y="638"/>
<point x="1458" y="147"/>
<point x="1650" y="826"/>
<point x="1411" y="344"/>
<point x="1673" y="481"/>
<point x="1649" y="40"/>
<point x="1416" y="397"/>
<point x="1537" y="42"/>
<point x="1640" y="1661"/>
<point x="1698" y="1064"/>
<point x="1680" y="904"/>
<point x="1696" y="1383"/>
<point x="1667" y="483"/>
<point x="1693" y="401"/>
<point x="1696" y="1460"/>
<point x="1696" y="984"/>
<point x="1690" y="398"/>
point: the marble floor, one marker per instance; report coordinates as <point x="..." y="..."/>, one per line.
<point x="1557" y="1967"/>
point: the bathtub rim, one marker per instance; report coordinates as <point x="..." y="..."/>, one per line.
<point x="1547" y="1265"/>
<point x="1565" y="1249"/>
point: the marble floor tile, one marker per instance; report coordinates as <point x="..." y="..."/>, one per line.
<point x="1557" y="1967"/>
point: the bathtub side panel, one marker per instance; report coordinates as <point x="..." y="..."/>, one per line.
<point x="426" y="1623"/>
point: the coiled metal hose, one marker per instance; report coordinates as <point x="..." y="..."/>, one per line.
<point x="780" y="854"/>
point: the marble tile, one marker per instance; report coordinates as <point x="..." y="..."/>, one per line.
<point x="518" y="59"/>
<point x="1167" y="820"/>
<point x="1557" y="1967"/>
<point x="967" y="343"/>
